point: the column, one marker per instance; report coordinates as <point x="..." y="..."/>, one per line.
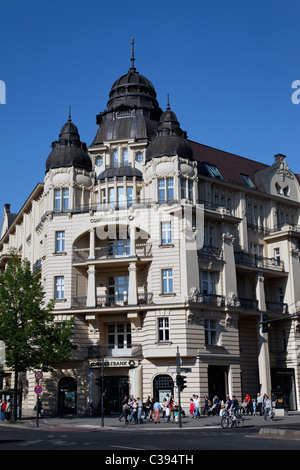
<point x="132" y="294"/>
<point x="92" y="244"/>
<point x="263" y="344"/>
<point x="229" y="272"/>
<point x="132" y="231"/>
<point x="91" y="294"/>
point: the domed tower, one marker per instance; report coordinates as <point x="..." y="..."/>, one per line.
<point x="68" y="171"/>
<point x="170" y="172"/>
<point x="124" y="131"/>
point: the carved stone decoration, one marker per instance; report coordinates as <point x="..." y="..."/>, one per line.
<point x="195" y="296"/>
<point x="231" y="321"/>
<point x="233" y="300"/>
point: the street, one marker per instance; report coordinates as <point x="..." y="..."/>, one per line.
<point x="130" y="442"/>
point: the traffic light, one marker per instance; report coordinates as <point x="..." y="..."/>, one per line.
<point x="264" y="323"/>
<point x="181" y="382"/>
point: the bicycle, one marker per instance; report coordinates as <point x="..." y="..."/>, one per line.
<point x="228" y="421"/>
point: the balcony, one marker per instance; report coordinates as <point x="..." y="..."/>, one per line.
<point x="114" y="251"/>
<point x="254" y="261"/>
<point x="249" y="304"/>
<point x="211" y="252"/>
<point x="277" y="307"/>
<point x="130" y="350"/>
<point x="112" y="300"/>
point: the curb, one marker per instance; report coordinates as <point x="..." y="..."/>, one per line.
<point x="282" y="433"/>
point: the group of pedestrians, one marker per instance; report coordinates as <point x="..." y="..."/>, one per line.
<point x="134" y="408"/>
<point x="261" y="405"/>
<point x="5" y="410"/>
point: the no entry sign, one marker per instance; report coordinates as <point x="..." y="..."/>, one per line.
<point x="38" y="389"/>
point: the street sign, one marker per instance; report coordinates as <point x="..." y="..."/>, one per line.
<point x="38" y="389"/>
<point x="39" y="375"/>
<point x="171" y="371"/>
<point x="185" y="369"/>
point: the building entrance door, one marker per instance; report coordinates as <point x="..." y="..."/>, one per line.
<point x="218" y="382"/>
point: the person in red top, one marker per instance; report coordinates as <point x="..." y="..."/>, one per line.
<point x="247" y="401"/>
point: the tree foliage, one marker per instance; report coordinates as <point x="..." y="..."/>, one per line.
<point x="32" y="339"/>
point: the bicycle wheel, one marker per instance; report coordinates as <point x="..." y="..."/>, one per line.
<point x="225" y="422"/>
<point x="239" y="422"/>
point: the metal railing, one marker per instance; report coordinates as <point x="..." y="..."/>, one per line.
<point x="256" y="261"/>
<point x="112" y="300"/>
<point x="249" y="304"/>
<point x="114" y="350"/>
<point x="208" y="251"/>
<point x="112" y="251"/>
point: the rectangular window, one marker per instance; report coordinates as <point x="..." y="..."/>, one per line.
<point x="60" y="242"/>
<point x="161" y="190"/>
<point x="125" y="157"/>
<point x="167" y="281"/>
<point x="163" y="329"/>
<point x="119" y="337"/>
<point x="207" y="282"/>
<point x="59" y="287"/>
<point x="211" y="332"/>
<point x="129" y="196"/>
<point x="111" y="195"/>
<point x="166" y="190"/>
<point x="120" y="196"/>
<point x="115" y="159"/>
<point x="170" y="189"/>
<point x="166" y="233"/>
<point x="277" y="256"/>
<point x="57" y="200"/>
<point x="65" y="200"/>
<point x="183" y="188"/>
<point x="190" y="188"/>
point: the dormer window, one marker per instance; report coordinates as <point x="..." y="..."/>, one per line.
<point x="213" y="171"/>
<point x="248" y="181"/>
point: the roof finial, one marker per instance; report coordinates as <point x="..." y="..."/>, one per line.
<point x="69" y="114"/>
<point x="132" y="55"/>
<point x="168" y="103"/>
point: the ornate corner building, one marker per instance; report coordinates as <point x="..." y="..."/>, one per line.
<point x="154" y="242"/>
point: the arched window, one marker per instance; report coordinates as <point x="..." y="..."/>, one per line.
<point x="162" y="385"/>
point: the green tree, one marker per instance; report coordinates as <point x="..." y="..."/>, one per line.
<point x="27" y="327"/>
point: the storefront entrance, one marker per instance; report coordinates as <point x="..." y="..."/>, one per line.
<point x="283" y="387"/>
<point x="67" y="396"/>
<point x="162" y="385"/>
<point x="115" y="389"/>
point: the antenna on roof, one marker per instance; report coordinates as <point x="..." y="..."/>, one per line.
<point x="132" y="68"/>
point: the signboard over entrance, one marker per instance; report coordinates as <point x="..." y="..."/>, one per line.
<point x="114" y="363"/>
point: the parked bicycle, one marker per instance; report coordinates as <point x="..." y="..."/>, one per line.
<point x="230" y="420"/>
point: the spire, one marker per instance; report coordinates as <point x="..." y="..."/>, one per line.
<point x="69" y="114"/>
<point x="168" y="103"/>
<point x="132" y="68"/>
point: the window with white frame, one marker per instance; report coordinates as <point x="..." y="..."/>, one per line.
<point x="119" y="336"/>
<point x="59" y="288"/>
<point x="115" y="159"/>
<point x="166" y="233"/>
<point x="163" y="329"/>
<point x="211" y="332"/>
<point x="61" y="200"/>
<point x="166" y="189"/>
<point x="60" y="242"/>
<point x="167" y="281"/>
<point x="125" y="157"/>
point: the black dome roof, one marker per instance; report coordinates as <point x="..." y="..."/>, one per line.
<point x="132" y="110"/>
<point x="69" y="150"/>
<point x="127" y="171"/>
<point x="169" y="139"/>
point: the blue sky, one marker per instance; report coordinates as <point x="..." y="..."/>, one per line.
<point x="227" y="65"/>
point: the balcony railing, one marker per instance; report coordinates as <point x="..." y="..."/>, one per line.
<point x="118" y="350"/>
<point x="277" y="307"/>
<point x="208" y="251"/>
<point x="214" y="300"/>
<point x="249" y="304"/>
<point x="113" y="300"/>
<point x="112" y="252"/>
<point x="256" y="261"/>
<point x="286" y="227"/>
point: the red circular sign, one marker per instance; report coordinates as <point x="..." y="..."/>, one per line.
<point x="38" y="389"/>
<point x="39" y="375"/>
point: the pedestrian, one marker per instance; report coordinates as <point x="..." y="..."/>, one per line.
<point x="156" y="410"/>
<point x="171" y="407"/>
<point x="254" y="406"/>
<point x="197" y="407"/>
<point x="133" y="416"/>
<point x="167" y="415"/>
<point x="125" y="400"/>
<point x="139" y="410"/>
<point x="126" y="412"/>
<point x="2" y="410"/>
<point x="165" y="406"/>
<point x="268" y="408"/>
<point x="147" y="407"/>
<point x="192" y="408"/>
<point x="206" y="404"/>
<point x="8" y="410"/>
<point x="259" y="400"/>
<point x="176" y="413"/>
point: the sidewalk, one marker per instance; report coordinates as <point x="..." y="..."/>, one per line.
<point x="283" y="425"/>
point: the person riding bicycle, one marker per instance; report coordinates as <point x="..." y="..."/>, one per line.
<point x="234" y="408"/>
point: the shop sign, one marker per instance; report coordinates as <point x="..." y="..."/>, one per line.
<point x="114" y="363"/>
